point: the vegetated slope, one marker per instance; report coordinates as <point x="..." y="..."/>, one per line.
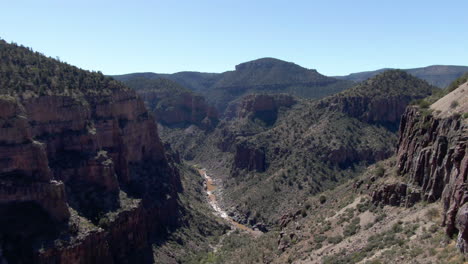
<point x="200" y="229"/>
<point x="172" y="104"/>
<point x="84" y="176"/>
<point x="438" y="75"/>
<point x="409" y="208"/>
<point x="313" y="146"/>
<point x="195" y="81"/>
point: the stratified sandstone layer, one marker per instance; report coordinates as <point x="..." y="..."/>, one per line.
<point x="84" y="177"/>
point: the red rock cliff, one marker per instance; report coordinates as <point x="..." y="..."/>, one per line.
<point x="84" y="177"/>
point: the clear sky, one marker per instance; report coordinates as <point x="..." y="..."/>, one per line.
<point x="336" y="37"/>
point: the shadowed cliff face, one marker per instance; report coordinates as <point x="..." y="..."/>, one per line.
<point x="432" y="153"/>
<point x="87" y="161"/>
<point x="432" y="158"/>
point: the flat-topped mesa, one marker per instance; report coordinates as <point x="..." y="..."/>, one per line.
<point x="268" y="63"/>
<point x="270" y="71"/>
<point x="432" y="154"/>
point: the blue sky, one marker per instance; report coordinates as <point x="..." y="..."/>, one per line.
<point x="334" y="37"/>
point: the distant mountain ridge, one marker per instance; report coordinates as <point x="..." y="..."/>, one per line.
<point x="438" y="75"/>
<point x="270" y="71"/>
<point x="265" y="75"/>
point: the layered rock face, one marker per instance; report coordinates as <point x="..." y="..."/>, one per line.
<point x="24" y="172"/>
<point x="432" y="153"/>
<point x="56" y="151"/>
<point x="397" y="194"/>
<point x="374" y="110"/>
<point x="84" y="177"/>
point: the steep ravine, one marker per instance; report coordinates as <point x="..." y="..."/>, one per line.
<point x="212" y="191"/>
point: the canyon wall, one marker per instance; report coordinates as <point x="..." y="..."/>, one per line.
<point x="433" y="163"/>
<point x="432" y="154"/>
<point x="93" y="168"/>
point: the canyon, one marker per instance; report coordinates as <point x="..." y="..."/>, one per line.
<point x="298" y="167"/>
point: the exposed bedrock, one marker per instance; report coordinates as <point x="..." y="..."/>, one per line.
<point x="58" y="152"/>
<point x="432" y="157"/>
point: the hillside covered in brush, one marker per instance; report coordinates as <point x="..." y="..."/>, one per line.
<point x="172" y="104"/>
<point x="409" y="208"/>
<point x="311" y="145"/>
<point x="437" y="75"/>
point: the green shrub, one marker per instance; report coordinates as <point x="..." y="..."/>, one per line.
<point x="319" y="238"/>
<point x="352" y="228"/>
<point x="335" y="239"/>
<point x="379" y="171"/>
<point x="454" y="104"/>
<point x="454" y="85"/>
<point x="364" y="206"/>
<point x="322" y="199"/>
<point x="423" y="103"/>
<point x="432" y="213"/>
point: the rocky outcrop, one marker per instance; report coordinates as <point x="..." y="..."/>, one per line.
<point x="249" y="158"/>
<point x="24" y="172"/>
<point x="462" y="226"/>
<point x="432" y="153"/>
<point x="123" y="238"/>
<point x="432" y="157"/>
<point x="397" y="194"/>
<point x="59" y="152"/>
<point x="344" y="156"/>
<point x="385" y="111"/>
